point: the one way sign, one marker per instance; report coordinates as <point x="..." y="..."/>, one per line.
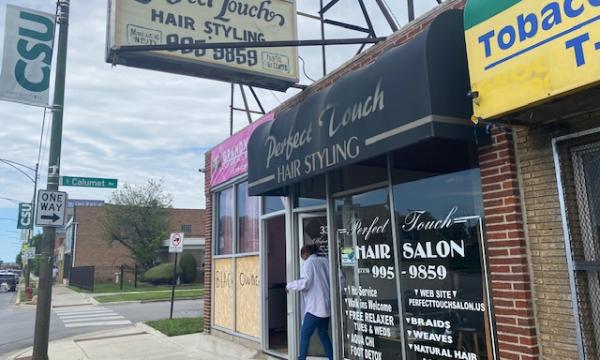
<point x="50" y="209"/>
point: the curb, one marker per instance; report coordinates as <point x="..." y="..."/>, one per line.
<point x="143" y="301"/>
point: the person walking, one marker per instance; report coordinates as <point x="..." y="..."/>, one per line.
<point x="314" y="287"/>
<point x="54" y="274"/>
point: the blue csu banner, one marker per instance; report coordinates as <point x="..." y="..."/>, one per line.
<point x="411" y="93"/>
<point x="27" y="60"/>
<point x="25" y="218"/>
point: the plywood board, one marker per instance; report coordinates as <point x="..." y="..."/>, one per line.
<point x="248" y="296"/>
<point x="223" y="293"/>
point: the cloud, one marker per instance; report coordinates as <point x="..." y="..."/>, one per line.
<point x="134" y="124"/>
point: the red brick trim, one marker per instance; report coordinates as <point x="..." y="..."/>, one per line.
<point x="207" y="245"/>
<point x="511" y="284"/>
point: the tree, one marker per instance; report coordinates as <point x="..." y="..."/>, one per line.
<point x="137" y="218"/>
<point x="36" y="241"/>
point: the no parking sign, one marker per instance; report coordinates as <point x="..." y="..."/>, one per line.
<point x="176" y="243"/>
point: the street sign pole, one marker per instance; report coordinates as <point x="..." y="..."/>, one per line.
<point x="37" y="168"/>
<point x="42" y="316"/>
<point x="173" y="288"/>
<point x="175" y="246"/>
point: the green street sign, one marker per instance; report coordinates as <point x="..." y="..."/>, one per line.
<point x="88" y="182"/>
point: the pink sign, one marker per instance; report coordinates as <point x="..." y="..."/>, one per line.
<point x="230" y="158"/>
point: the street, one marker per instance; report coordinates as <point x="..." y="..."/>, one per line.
<point x="17" y="321"/>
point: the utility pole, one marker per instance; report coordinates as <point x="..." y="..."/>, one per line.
<point x="42" y="316"/>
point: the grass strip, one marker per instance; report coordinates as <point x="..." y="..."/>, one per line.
<point x="178" y="326"/>
<point x="152" y="295"/>
<point x="110" y="287"/>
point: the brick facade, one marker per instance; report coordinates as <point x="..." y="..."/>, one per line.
<point x="207" y="245"/>
<point x="91" y="249"/>
<point x="507" y="250"/>
<point x="545" y="233"/>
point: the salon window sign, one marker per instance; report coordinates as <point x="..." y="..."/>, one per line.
<point x="230" y="158"/>
<point x="443" y="284"/>
<point x="369" y="295"/>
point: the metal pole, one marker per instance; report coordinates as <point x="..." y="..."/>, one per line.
<point x="42" y="316"/>
<point x="246" y="104"/>
<point x="174" y="282"/>
<point x="33" y="201"/>
<point x="321" y="16"/>
<point x="135" y="275"/>
<point x="231" y="111"/>
<point x="411" y="10"/>
<point x="248" y="45"/>
<point x="121" y="278"/>
<point x="388" y="16"/>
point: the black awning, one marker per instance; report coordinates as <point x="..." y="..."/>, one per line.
<point x="409" y="94"/>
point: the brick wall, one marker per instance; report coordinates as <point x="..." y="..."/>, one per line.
<point x="194" y="217"/>
<point x="207" y="245"/>
<point x="545" y="234"/>
<point x="92" y="250"/>
<point x="507" y="251"/>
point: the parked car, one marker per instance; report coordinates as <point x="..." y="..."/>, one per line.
<point x="10" y="279"/>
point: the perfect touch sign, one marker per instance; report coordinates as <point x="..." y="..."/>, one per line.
<point x="523" y="52"/>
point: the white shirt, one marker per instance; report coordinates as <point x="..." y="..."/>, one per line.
<point x="314" y="286"/>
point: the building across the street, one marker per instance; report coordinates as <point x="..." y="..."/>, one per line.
<point x="85" y="245"/>
<point x="452" y="189"/>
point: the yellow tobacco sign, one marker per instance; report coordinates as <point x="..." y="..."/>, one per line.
<point x="524" y="52"/>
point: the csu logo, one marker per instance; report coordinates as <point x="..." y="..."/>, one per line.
<point x="34" y="33"/>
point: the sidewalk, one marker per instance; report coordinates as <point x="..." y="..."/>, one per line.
<point x="63" y="296"/>
<point x="142" y="342"/>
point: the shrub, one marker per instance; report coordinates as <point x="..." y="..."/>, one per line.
<point x="160" y="274"/>
<point x="188" y="268"/>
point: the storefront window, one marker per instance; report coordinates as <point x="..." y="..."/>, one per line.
<point x="272" y="204"/>
<point x="225" y="223"/>
<point x="368" y="288"/>
<point x="442" y="275"/>
<point x="248" y="214"/>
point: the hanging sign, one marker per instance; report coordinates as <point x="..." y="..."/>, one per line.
<point x="230" y="158"/>
<point x="25" y="220"/>
<point x="176" y="22"/>
<point x="524" y="52"/>
<point x="28" y="43"/>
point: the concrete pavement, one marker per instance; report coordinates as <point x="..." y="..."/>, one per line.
<point x="141" y="342"/>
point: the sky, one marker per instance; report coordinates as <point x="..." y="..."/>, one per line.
<point x="135" y="124"/>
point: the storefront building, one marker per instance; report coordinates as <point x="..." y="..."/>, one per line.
<point x="425" y="217"/>
<point x="535" y="68"/>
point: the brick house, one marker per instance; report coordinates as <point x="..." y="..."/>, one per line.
<point x="85" y="246"/>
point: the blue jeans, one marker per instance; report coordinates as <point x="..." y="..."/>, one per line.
<point x="309" y="325"/>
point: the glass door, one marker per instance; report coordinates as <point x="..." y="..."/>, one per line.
<point x="312" y="229"/>
<point x="275" y="299"/>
